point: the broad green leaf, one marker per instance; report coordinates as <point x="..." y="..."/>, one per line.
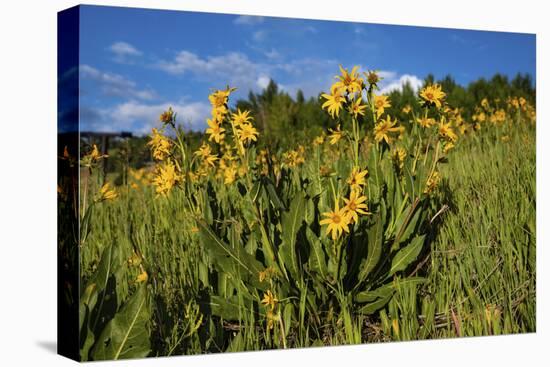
<point x="375" y="238"/>
<point x="407" y="223"/>
<point x="409" y="182"/>
<point x="85" y="223"/>
<point x="207" y="210"/>
<point x="407" y="255"/>
<point x="372" y="307"/>
<point x="373" y="295"/>
<point x="108" y="265"/>
<point x="291" y="222"/>
<point x="272" y="193"/>
<point x="127" y="334"/>
<point x="411" y="225"/>
<point x="317" y="260"/>
<point x="379" y="297"/>
<point x="309" y="211"/>
<point x="105" y="283"/>
<point x="382" y="292"/>
<point x="235" y="261"/>
<point x="87" y="302"/>
<point x="256" y="190"/>
<point x="288" y="315"/>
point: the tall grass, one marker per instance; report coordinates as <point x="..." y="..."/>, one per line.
<point x="481" y="267"/>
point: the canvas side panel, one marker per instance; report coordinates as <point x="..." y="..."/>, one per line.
<point x="67" y="183"/>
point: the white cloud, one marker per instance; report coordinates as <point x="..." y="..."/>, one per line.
<point x="357" y="29"/>
<point x="233" y="68"/>
<point x="311" y="75"/>
<point x="124" y="52"/>
<point x="236" y="69"/>
<point x="248" y="20"/>
<point x="140" y="117"/>
<point x="123" y="48"/>
<point x="134" y="113"/>
<point x="114" y="84"/>
<point x="272" y="54"/>
<point x="311" y="29"/>
<point x="392" y="82"/>
<point x="183" y="62"/>
<point x="259" y="36"/>
<point x="263" y="81"/>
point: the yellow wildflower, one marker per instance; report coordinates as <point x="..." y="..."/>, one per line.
<point x="266" y="274"/>
<point x="335" y="135"/>
<point x="384" y="130"/>
<point x="293" y="158"/>
<point x="355" y="205"/>
<point x="407" y="109"/>
<point x="463" y="128"/>
<point x="160" y="145"/>
<point x="269" y="300"/>
<point x="499" y="116"/>
<point x="247" y="133"/>
<point x="107" y="193"/>
<point x="425" y="121"/>
<point x="334" y="101"/>
<point x="166" y="177"/>
<point x="272" y="318"/>
<point x="338" y="221"/>
<point x="399" y="155"/>
<point x="230" y="174"/>
<point x="241" y="117"/>
<point x="204" y="151"/>
<point x="218" y="113"/>
<point x="356" y="108"/>
<point x="380" y="103"/>
<point x="134" y="260"/>
<point x="432" y="182"/>
<point x="448" y="146"/>
<point x="514" y="102"/>
<point x="193" y="177"/>
<point x="220" y="97"/>
<point x="349" y="81"/>
<point x="210" y="160"/>
<point x="480" y="117"/>
<point x="357" y="179"/>
<point x="433" y="95"/>
<point x="95" y="156"/>
<point x="446" y="131"/>
<point x="167" y="117"/>
<point x="215" y="131"/>
<point x="319" y="140"/>
<point x="142" y="277"/>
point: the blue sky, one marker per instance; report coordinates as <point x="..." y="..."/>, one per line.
<point x="134" y="63"/>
